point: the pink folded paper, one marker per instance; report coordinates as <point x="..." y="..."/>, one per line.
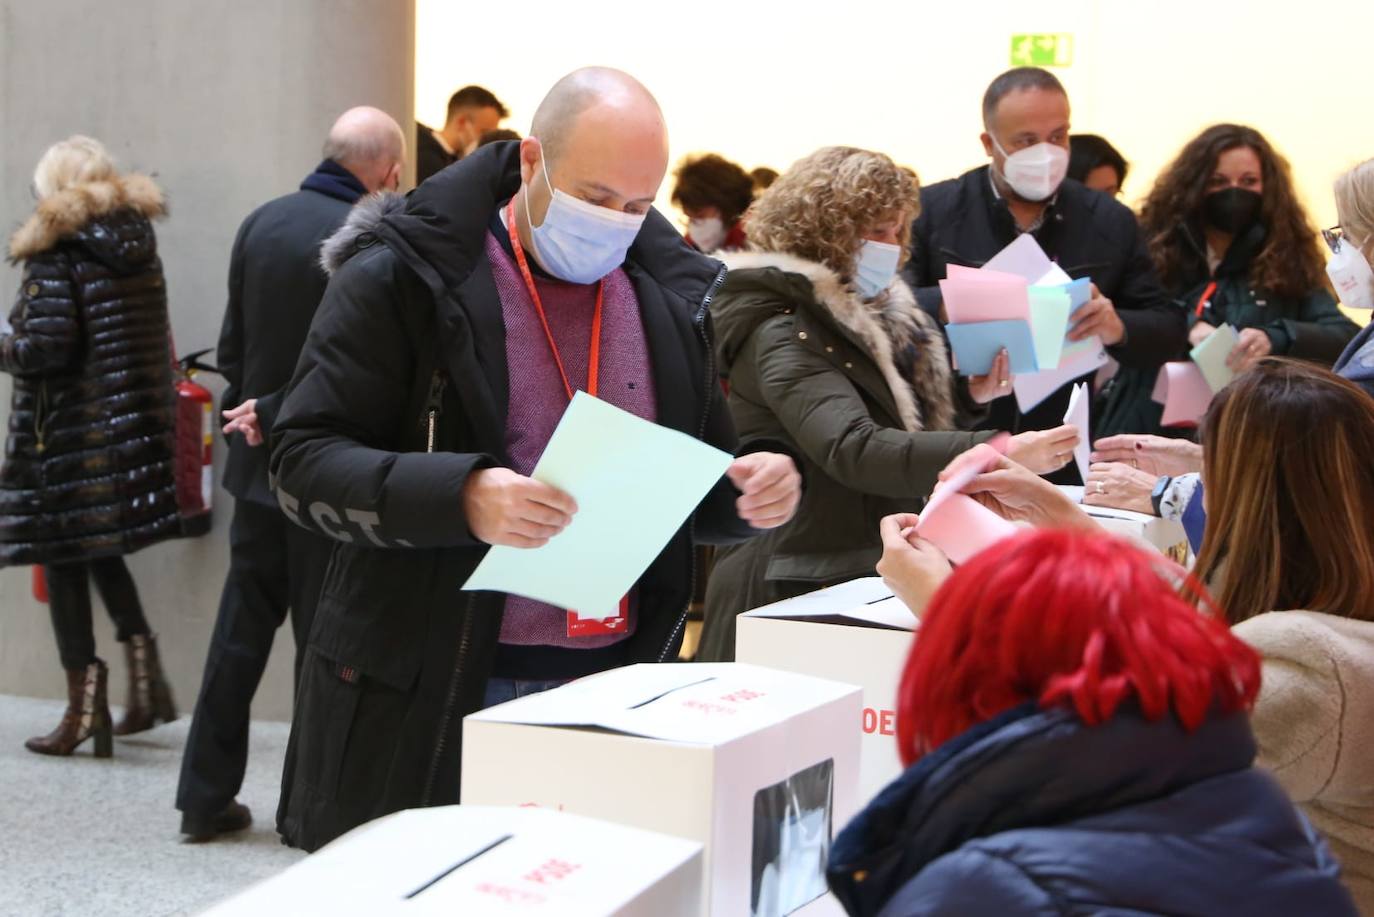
<point x="984" y="296"/>
<point x="1184" y="392"/>
<point x="961" y="526"/>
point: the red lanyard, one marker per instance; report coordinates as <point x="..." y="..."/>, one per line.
<point x="594" y="349"/>
<point x="1204" y="300"/>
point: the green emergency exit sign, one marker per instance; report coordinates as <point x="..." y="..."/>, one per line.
<point x="1047" y="49"/>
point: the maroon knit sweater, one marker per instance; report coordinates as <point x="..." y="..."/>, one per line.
<point x="538" y="399"/>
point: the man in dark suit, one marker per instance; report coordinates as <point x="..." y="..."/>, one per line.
<point x="275" y="285"/>
<point x="472" y="111"/>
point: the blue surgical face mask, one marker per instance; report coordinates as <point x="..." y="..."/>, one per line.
<point x="580" y="242"/>
<point x="875" y="267"/>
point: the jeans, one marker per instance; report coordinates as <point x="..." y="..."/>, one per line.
<point x="69" y="602"/>
<point x="500" y="690"/>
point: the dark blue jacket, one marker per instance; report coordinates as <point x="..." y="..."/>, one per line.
<point x="1034" y="813"/>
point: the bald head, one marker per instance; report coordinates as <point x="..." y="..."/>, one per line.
<point x="369" y="143"/>
<point x="598" y="136"/>
<point x="603" y="94"/>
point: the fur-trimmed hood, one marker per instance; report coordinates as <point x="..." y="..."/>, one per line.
<point x="362" y="220"/>
<point x="884" y="326"/>
<point x="64" y="214"/>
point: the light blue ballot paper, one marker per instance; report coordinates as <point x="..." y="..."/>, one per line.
<point x="975" y="345"/>
<point x="634" y="482"/>
<point x="1210" y="357"/>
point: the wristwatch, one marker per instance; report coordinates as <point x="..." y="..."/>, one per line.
<point x="1161" y="488"/>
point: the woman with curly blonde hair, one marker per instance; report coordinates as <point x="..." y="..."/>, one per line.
<point x="827" y="353"/>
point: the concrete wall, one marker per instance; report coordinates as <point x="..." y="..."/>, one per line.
<point x="227" y="104"/>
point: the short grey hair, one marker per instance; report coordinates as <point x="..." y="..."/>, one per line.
<point x="1018" y="79"/>
<point x="364" y="134"/>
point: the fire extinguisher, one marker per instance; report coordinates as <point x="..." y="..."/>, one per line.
<point x="195" y="438"/>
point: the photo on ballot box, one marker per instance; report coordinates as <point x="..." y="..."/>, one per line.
<point x="792" y="822"/>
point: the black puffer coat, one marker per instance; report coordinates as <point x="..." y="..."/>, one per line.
<point x="88" y="469"/>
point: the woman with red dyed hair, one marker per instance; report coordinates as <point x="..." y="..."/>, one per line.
<point x="1077" y="742"/>
<point x="1288" y="552"/>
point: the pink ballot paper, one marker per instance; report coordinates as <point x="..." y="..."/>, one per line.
<point x="963" y="532"/>
<point x="1184" y="392"/>
<point x="961" y="526"/>
<point x="984" y="296"/>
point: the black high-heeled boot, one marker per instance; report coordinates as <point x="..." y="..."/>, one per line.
<point x="150" y="697"/>
<point x="87" y="715"/>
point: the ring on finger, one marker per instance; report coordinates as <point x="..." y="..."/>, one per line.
<point x="1101" y="488"/>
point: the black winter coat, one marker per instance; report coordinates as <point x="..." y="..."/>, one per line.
<point x="410" y="337"/>
<point x="88" y="468"/>
<point x="276" y="282"/>
<point x="1032" y="813"/>
<point x="1088" y="233"/>
<point x="1310" y="327"/>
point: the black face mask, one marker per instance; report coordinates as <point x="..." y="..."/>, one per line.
<point x="1232" y="210"/>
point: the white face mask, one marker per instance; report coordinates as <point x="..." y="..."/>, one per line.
<point x="1351" y="276"/>
<point x="708" y="233"/>
<point x="875" y="267"/>
<point x="1036" y="172"/>
<point x="580" y="242"/>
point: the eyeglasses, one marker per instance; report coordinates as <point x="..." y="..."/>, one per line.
<point x="1334" y="237"/>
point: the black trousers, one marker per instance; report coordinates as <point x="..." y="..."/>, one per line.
<point x="274" y="566"/>
<point x="69" y="602"/>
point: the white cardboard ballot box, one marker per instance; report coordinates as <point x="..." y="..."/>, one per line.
<point x="856" y="632"/>
<point x="477" y="860"/>
<point x="758" y="765"/>
<point x="1165" y="535"/>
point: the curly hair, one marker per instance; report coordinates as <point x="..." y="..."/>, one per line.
<point x="1290" y="264"/>
<point x="713" y="181"/>
<point x="821" y="208"/>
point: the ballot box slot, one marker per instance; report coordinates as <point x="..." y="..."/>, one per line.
<point x="673" y="690"/>
<point x="459" y="865"/>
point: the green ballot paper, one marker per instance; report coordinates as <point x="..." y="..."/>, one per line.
<point x="1210" y="357"/>
<point x="635" y="483"/>
<point x="1049" y="312"/>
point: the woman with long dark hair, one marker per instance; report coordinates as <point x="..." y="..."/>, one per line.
<point x="1229" y="237"/>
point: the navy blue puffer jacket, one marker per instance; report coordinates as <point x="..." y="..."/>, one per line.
<point x="1034" y="813"/>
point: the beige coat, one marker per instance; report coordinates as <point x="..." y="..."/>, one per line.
<point x="1315" y="726"/>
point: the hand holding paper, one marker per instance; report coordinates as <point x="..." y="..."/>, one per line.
<point x="1022" y="302"/>
<point x="631" y="485"/>
<point x="1186" y="388"/>
<point x="1013" y="492"/>
<point x="1254" y="345"/>
<point x="911" y="566"/>
<point x="953" y="522"/>
<point x="1213" y="357"/>
<point x="1097" y="318"/>
<point x="505" y="508"/>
